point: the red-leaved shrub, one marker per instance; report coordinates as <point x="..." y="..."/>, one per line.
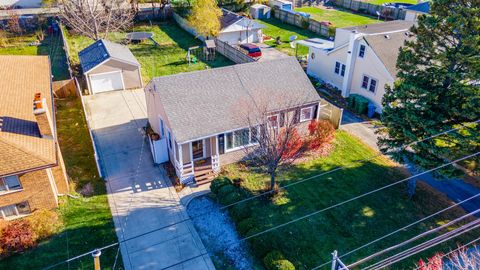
<point x="17" y="236"/>
<point x="293" y="145"/>
<point x="434" y="263"/>
<point x="321" y="134"/>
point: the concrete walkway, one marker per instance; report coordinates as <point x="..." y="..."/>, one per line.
<point x="455" y="189"/>
<point x="148" y="216"/>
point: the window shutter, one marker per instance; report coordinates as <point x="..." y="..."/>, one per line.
<point x="315" y="112"/>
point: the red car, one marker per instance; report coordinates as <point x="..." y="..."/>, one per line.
<point x="252" y="50"/>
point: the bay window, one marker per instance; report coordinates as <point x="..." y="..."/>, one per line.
<point x="237" y="139"/>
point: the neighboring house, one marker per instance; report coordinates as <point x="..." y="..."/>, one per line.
<point x="32" y="174"/>
<point x="236" y="29"/>
<point x="200" y="115"/>
<point x="20" y="4"/>
<point x="109" y="66"/>
<point x="259" y="11"/>
<point x="281" y="4"/>
<point x="362" y="60"/>
<point x="412" y="12"/>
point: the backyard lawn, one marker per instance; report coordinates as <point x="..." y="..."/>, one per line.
<point x="379" y="2"/>
<point x="87" y="220"/>
<point x="310" y="242"/>
<point x="166" y="59"/>
<point x="339" y="18"/>
<point x="51" y="45"/>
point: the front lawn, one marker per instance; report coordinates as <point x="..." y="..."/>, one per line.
<point x="339" y="18"/>
<point x="87" y="220"/>
<point x="166" y="59"/>
<point x="310" y="242"/>
<point x="51" y="45"/>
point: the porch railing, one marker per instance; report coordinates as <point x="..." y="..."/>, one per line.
<point x="184" y="171"/>
<point x="216" y="163"/>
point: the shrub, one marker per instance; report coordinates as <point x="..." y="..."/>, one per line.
<point x="230" y="198"/>
<point x="276" y="261"/>
<point x="17" y="236"/>
<point x="245" y="226"/>
<point x="321" y="133"/>
<point x="44" y="223"/>
<point x="240" y="211"/>
<point x="237" y="182"/>
<point x="261" y="246"/>
<point x="219" y="182"/>
<point x="225" y="190"/>
<point x="293" y="144"/>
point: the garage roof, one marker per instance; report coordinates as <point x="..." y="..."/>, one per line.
<point x="207" y="102"/>
<point x="102" y="50"/>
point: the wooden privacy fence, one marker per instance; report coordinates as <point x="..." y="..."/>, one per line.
<point x="293" y="18"/>
<point x="233" y="53"/>
<point x="64" y="89"/>
<point x="393" y="13"/>
<point x="330" y="112"/>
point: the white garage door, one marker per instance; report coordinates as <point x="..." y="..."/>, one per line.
<point x="106" y="82"/>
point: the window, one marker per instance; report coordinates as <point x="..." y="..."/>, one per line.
<point x="340" y="69"/>
<point x="10" y="183"/>
<point x="162" y="129"/>
<point x="241" y="137"/>
<point x="15" y="210"/>
<point x="373" y="85"/>
<point x="282" y="119"/>
<point x="221" y="144"/>
<point x="365" y="82"/>
<point x="306" y="114"/>
<point x="361" y="52"/>
<point x="229" y="144"/>
<point x="273" y="121"/>
<point x="169" y="140"/>
<point x="337" y="67"/>
<point x="369" y="84"/>
<point x="254" y="135"/>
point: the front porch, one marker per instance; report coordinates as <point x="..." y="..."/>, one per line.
<point x="197" y="161"/>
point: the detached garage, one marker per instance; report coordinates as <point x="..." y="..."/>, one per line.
<point x="109" y="66"/>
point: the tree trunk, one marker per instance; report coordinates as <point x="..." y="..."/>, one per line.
<point x="272" y="180"/>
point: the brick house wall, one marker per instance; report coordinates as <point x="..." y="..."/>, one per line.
<point x="36" y="189"/>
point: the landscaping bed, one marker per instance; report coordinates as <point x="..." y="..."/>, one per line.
<point x="309" y="242"/>
<point x="169" y="57"/>
<point x="87" y="220"/>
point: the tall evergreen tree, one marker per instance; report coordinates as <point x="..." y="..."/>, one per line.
<point x="437" y="87"/>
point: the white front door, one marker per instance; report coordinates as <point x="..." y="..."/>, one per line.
<point x="106" y="82"/>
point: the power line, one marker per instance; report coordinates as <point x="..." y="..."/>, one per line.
<point x="455" y="250"/>
<point x="324" y="209"/>
<point x="398" y="230"/>
<point x="424" y="246"/>
<point x="413" y="239"/>
<point x="358" y="197"/>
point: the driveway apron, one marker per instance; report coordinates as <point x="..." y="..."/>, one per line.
<point x="151" y="224"/>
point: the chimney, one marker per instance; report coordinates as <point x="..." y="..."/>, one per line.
<point x="42" y="115"/>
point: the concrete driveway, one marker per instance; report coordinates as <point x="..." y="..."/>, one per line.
<point x="269" y="53"/>
<point x="142" y="201"/>
<point x="360" y="128"/>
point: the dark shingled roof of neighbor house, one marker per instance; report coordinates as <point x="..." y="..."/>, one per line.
<point x="102" y="50"/>
<point x="423" y="7"/>
<point x="207" y="102"/>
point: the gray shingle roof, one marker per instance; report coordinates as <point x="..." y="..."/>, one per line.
<point x="381" y="27"/>
<point x="102" y="50"/>
<point x="202" y="103"/>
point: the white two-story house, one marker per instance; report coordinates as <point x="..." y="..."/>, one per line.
<point x="362" y="60"/>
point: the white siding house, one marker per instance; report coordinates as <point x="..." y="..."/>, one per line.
<point x="362" y="60"/>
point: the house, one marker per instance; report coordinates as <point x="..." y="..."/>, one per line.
<point x="259" y="11"/>
<point x="109" y="66"/>
<point x="281" y="4"/>
<point x="362" y="59"/>
<point x="32" y="174"/>
<point x="236" y="29"/>
<point x="412" y="12"/>
<point x="196" y="114"/>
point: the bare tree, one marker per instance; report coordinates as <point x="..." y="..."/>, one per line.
<point x="96" y="18"/>
<point x="464" y="259"/>
<point x="275" y="135"/>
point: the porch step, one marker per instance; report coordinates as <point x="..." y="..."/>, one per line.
<point x="204" y="179"/>
<point x="203" y="167"/>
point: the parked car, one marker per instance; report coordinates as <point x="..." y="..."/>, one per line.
<point x="252" y="50"/>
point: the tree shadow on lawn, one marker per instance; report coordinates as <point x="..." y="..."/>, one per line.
<point x="309" y="242"/>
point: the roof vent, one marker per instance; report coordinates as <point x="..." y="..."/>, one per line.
<point x="387" y="36"/>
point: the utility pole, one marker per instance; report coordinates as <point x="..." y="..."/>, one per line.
<point x="96" y="258"/>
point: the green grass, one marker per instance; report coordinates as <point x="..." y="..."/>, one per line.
<point x="51" y="46"/>
<point x="275" y="28"/>
<point x="87" y="221"/>
<point x="166" y="59"/>
<point x="309" y="242"/>
<point x="339" y="18"/>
